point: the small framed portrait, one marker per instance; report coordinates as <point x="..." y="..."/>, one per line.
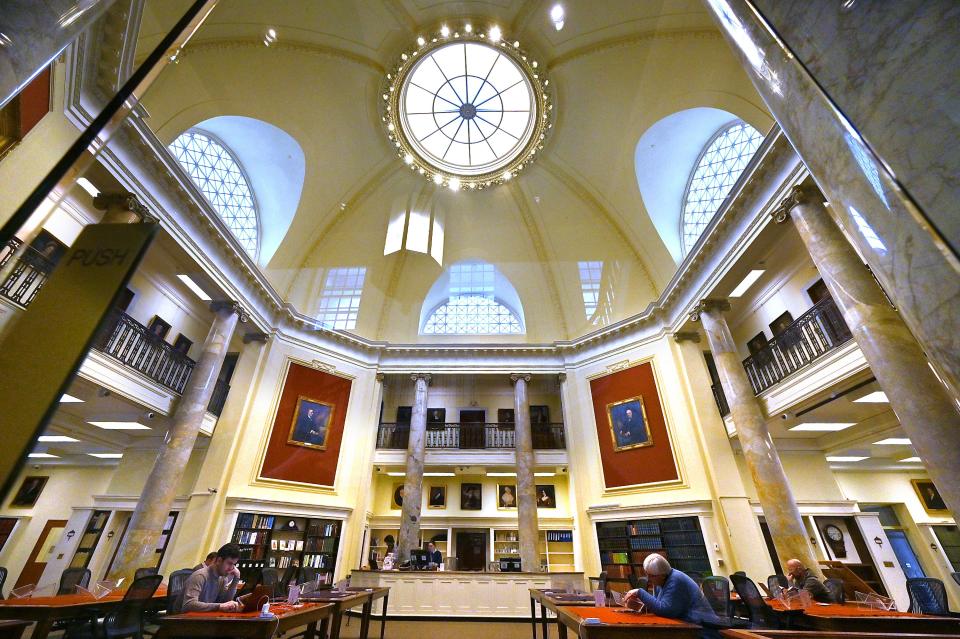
<point x="505" y="416"/>
<point x="29" y="492"/>
<point x="396" y="503"/>
<point x="158" y="327"/>
<point x="930" y="497"/>
<point x="628" y="424"/>
<point x="436" y="415"/>
<point x="539" y="414"/>
<point x="781" y="324"/>
<point x="546" y="496"/>
<point x="48" y="247"/>
<point x="182" y="344"/>
<point x="437" y="497"/>
<point x="506" y="496"/>
<point x="311" y="421"/>
<point x="471" y="496"/>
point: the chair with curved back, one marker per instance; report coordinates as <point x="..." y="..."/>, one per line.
<point x="834" y="586"/>
<point x="71" y="578"/>
<point x="602" y="582"/>
<point x="175" y="587"/>
<point x="928" y="596"/>
<point x="695" y="575"/>
<point x="637" y="582"/>
<point x="716" y="590"/>
<point x="270" y="578"/>
<point x="126" y="619"/>
<point x="3" y="578"/>
<point x="955" y="575"/>
<point x="775" y="583"/>
<point x="251" y="577"/>
<point x="761" y="614"/>
<point x="145" y="572"/>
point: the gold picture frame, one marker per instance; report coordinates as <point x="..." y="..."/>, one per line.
<point x="930" y="497"/>
<point x="622" y="441"/>
<point x="301" y="431"/>
<point x="397" y="495"/>
<point x="437" y="496"/>
<point x="505" y="494"/>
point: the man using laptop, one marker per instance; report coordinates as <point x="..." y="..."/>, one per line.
<point x="214" y="587"/>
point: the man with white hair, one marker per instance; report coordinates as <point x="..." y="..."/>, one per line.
<point x="677" y="596"/>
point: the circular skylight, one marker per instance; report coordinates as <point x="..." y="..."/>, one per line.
<point x="467" y="108"/>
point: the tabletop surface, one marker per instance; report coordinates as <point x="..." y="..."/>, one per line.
<point x="621" y="617"/>
<point x="559" y="598"/>
<point x="79" y="599"/>
<point x="279" y="609"/>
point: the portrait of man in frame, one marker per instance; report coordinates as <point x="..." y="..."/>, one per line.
<point x="628" y="424"/>
<point x="311" y="422"/>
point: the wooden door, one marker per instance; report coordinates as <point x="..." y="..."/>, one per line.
<point x="471" y="428"/>
<point x="33" y="569"/>
<point x="471" y="551"/>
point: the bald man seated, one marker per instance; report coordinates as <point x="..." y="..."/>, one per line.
<point x="676" y="595"/>
<point x="799" y="577"/>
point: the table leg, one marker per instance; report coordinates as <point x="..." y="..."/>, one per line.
<point x="324" y="627"/>
<point x="383" y="616"/>
<point x="543" y="622"/>
<point x="335" y="619"/>
<point x="365" y="619"/>
<point x="311" y="631"/>
<point x="561" y="629"/>
<point x="42" y="629"/>
<point x="533" y="616"/>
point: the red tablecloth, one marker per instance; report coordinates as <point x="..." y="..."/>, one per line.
<point x="279" y="609"/>
<point x="71" y="600"/>
<point x="852" y="610"/>
<point x="620" y="616"/>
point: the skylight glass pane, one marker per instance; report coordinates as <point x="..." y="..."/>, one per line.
<point x="340" y="298"/>
<point x="719" y="167"/>
<point x="472" y="315"/>
<point x="218" y="176"/>
<point x="590" y="273"/>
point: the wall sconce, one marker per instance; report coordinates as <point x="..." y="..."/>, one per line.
<point x="70" y="534"/>
<point x="878" y="541"/>
<point x="110" y="534"/>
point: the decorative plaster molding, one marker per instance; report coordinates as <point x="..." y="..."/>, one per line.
<point x="619" y="366"/>
<point x="800" y="194"/>
<point x="709" y="306"/>
<point x="686" y="336"/>
<point x="516" y="377"/>
<point x="632" y="40"/>
<point x="232" y="44"/>
<point x="323" y="366"/>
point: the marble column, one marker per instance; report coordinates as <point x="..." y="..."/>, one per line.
<point x="413" y="483"/>
<point x="884" y="69"/>
<point x="773" y="490"/>
<point x="920" y="400"/>
<point x="121" y="208"/>
<point x="140" y="541"/>
<point x="526" y="482"/>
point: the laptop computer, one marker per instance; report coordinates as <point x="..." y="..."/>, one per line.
<point x="254" y="601"/>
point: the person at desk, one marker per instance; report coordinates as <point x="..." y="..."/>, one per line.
<point x="206" y="562"/>
<point x="434" y="558"/>
<point x="214" y="587"/>
<point x="677" y="596"/>
<point x="799" y="578"/>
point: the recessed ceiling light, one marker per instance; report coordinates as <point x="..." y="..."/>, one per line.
<point x="106" y="455"/>
<point x="70" y="399"/>
<point x="746" y="283"/>
<point x="193" y="286"/>
<point x="557" y="15"/>
<point x="445" y="31"/>
<point x="119" y="425"/>
<point x="876" y="397"/>
<point x="893" y="441"/>
<point x="439" y="474"/>
<point x="823" y="426"/>
<point x="544" y="474"/>
<point x="43" y="456"/>
<point x="911" y="460"/>
<point x="845" y="458"/>
<point x="494" y="34"/>
<point x="396" y="474"/>
<point x="421" y="41"/>
<point x="501" y="474"/>
<point x="56" y="438"/>
<point x="88" y="186"/>
<point x="468" y="28"/>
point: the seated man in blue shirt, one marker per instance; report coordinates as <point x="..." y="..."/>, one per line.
<point x="677" y="595"/>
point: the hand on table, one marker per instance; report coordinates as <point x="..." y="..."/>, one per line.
<point x="632" y="599"/>
<point x="231" y="606"/>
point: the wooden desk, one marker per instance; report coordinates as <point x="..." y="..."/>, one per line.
<point x="378" y="593"/>
<point x="341" y="603"/>
<point x="44" y="611"/>
<point x="616" y="625"/>
<point x="808" y="634"/>
<point x="248" y="625"/>
<point x="852" y="618"/>
<point x="551" y="601"/>
<point x="13" y="628"/>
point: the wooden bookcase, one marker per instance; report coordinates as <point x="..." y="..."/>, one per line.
<point x="554" y="546"/>
<point x="275" y="541"/>
<point x="625" y="544"/>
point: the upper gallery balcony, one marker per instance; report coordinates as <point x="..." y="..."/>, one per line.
<point x="470" y="436"/>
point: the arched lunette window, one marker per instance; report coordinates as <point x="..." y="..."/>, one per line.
<point x="472" y="306"/>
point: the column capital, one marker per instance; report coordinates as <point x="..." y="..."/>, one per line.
<point x="380" y="377"/>
<point x="424" y="376"/>
<point x="229" y="306"/>
<point x="686" y="336"/>
<point x="516" y="377"/>
<point x="800" y="194"/>
<point x="123" y="201"/>
<point x="707" y="305"/>
<point x="561" y="377"/>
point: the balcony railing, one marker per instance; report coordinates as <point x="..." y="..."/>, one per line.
<point x="469" y="436"/>
<point x="721" y="399"/>
<point x="28" y="275"/>
<point x="813" y="334"/>
<point x="130" y="342"/>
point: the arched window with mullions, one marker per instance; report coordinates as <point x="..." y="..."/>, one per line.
<point x="218" y="175"/>
<point x="719" y="166"/>
<point x="476" y="300"/>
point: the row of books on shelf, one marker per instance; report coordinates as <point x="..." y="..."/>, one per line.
<point x="559" y="535"/>
<point x="318" y="529"/>
<point x="318" y="561"/>
<point x="635" y="557"/>
<point x="688" y="552"/>
<point x="282" y="562"/>
<point x="324" y="544"/>
<point x="691" y="538"/>
<point x="643" y="528"/>
<point x="251" y="520"/>
<point x="614" y="544"/>
<point x="646" y="543"/>
<point x="286" y="544"/>
<point x="249" y="537"/>
<point x="606" y="531"/>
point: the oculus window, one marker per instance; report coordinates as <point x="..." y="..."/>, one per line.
<point x="719" y="166"/>
<point x="472" y="306"/>
<point x="467" y="108"/>
<point x="218" y="175"/>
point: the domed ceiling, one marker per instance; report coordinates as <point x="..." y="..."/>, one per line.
<point x="615" y="69"/>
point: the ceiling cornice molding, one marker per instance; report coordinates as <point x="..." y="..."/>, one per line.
<point x="539" y="246"/>
<point x="633" y="39"/>
<point x="521" y="21"/>
<point x="219" y="45"/>
<point x="565" y="175"/>
<point x="403" y="17"/>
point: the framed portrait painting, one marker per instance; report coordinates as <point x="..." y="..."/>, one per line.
<point x="471" y="496"/>
<point x="546" y="496"/>
<point x="437" y="497"/>
<point x="396" y="501"/>
<point x="506" y="496"/>
<point x="158" y="327"/>
<point x="29" y="492"/>
<point x="628" y="424"/>
<point x="930" y="497"/>
<point x="311" y="421"/>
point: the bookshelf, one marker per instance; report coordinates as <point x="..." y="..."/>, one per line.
<point x="624" y="545"/>
<point x="554" y="546"/>
<point x="91" y="535"/>
<point x="275" y="541"/>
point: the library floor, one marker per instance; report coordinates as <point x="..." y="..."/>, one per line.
<point x="432" y="629"/>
